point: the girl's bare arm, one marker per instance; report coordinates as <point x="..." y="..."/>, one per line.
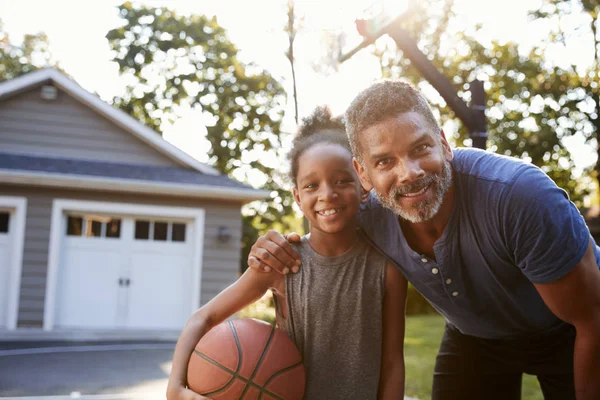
<point x="250" y="287"/>
<point x="391" y="380"/>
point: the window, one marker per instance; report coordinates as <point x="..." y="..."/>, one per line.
<point x="74" y="226"/>
<point x="93" y="226"/>
<point x="178" y="234"/>
<point x="113" y="228"/>
<point x="142" y="229"/>
<point x="4" y="222"/>
<point x="160" y="231"/>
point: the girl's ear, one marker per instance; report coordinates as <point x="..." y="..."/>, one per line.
<point x="296" y="195"/>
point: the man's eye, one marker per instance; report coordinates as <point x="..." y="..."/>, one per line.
<point x="343" y="181"/>
<point x="421" y="148"/>
<point x="383" y="162"/>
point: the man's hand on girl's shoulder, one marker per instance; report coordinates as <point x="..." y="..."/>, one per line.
<point x="274" y="252"/>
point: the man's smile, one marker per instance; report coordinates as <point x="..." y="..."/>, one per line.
<point x="417" y="193"/>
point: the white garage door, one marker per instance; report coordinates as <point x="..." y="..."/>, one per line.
<point x="125" y="272"/>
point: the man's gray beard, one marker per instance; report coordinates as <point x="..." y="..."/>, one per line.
<point x="425" y="210"/>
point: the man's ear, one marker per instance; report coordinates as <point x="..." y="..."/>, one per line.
<point x="364" y="196"/>
<point x="448" y="154"/>
<point x="362" y="175"/>
<point x="296" y="196"/>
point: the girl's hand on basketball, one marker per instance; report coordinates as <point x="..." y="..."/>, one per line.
<point x="273" y="252"/>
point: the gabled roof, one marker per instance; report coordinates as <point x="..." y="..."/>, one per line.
<point x="123" y="120"/>
<point x="109" y="176"/>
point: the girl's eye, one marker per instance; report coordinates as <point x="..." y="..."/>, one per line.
<point x="343" y="181"/>
<point x="310" y="186"/>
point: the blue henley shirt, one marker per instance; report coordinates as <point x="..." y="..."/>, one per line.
<point x="510" y="227"/>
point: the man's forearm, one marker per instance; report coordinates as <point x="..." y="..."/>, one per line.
<point x="587" y="365"/>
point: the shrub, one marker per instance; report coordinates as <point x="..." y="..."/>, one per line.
<point x="263" y="309"/>
<point x="416" y="303"/>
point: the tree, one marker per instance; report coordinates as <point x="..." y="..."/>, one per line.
<point x="532" y="104"/>
<point x="177" y="62"/>
<point x="587" y="31"/>
<point x="20" y="59"/>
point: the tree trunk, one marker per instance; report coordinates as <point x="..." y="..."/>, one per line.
<point x="291" y="31"/>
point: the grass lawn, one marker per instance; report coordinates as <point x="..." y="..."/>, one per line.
<point x="423" y="336"/>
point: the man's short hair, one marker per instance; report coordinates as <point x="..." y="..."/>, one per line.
<point x="380" y="101"/>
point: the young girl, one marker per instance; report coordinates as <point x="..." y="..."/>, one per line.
<point x="345" y="308"/>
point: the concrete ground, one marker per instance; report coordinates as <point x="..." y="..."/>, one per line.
<point x="85" y="370"/>
<point x="99" y="371"/>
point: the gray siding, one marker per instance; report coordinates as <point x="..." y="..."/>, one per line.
<point x="220" y="263"/>
<point x="66" y="128"/>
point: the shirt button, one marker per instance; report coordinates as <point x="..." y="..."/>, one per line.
<point x="448" y="281"/>
<point x="454" y="294"/>
<point x="424" y="260"/>
<point x="435" y="271"/>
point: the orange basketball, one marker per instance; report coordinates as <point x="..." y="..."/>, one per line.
<point x="246" y="359"/>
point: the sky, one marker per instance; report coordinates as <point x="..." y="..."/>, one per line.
<point x="76" y="30"/>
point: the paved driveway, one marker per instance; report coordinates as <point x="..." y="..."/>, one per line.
<point x="99" y="371"/>
<point x="85" y="371"/>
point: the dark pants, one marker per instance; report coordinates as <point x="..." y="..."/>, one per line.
<point x="470" y="368"/>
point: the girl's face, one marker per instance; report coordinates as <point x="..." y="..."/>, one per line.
<point x="327" y="188"/>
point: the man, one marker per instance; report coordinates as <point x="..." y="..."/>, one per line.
<point x="493" y="244"/>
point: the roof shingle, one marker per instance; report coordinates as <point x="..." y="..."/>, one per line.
<point x="149" y="173"/>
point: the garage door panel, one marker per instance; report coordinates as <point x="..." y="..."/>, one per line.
<point x="159" y="292"/>
<point x="89" y="290"/>
<point x="152" y="260"/>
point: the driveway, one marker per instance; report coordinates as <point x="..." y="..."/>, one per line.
<point x="94" y="371"/>
<point x="85" y="371"/>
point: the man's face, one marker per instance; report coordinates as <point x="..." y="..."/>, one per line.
<point x="407" y="161"/>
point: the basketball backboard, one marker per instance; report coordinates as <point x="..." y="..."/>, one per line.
<point x="370" y="22"/>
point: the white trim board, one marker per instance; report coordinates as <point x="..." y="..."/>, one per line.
<point x="120" y="118"/>
<point x="60" y="206"/>
<point x="18" y="206"/>
<point x="73" y="181"/>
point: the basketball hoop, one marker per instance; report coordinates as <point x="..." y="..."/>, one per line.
<point x="372" y="23"/>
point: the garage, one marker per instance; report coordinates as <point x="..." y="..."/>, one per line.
<point x="106" y="229"/>
<point x="118" y="270"/>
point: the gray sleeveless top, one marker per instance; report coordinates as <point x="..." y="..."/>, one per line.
<point x="334" y="315"/>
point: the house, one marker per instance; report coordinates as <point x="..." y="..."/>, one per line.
<point x="106" y="229"/>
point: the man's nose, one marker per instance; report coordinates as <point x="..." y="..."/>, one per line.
<point x="409" y="171"/>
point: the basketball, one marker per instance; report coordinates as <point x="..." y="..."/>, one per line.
<point x="246" y="359"/>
